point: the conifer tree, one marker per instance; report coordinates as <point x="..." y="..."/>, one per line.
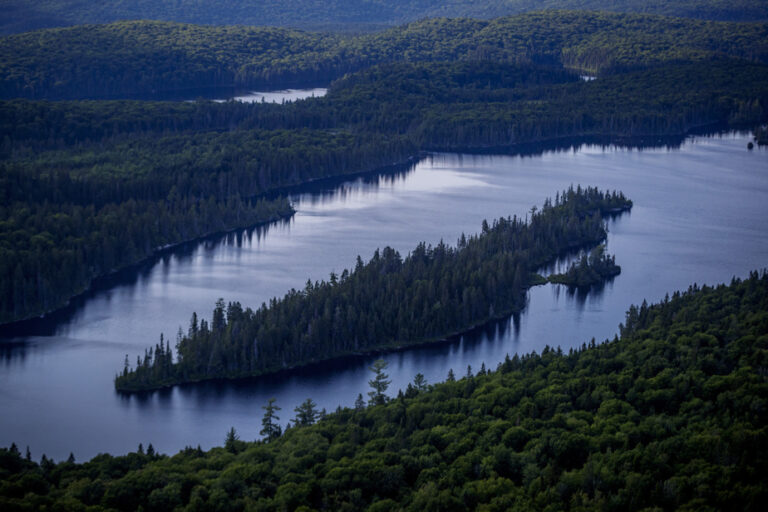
<point x="306" y="413"/>
<point x="271" y="428"/>
<point x="379" y="383"/>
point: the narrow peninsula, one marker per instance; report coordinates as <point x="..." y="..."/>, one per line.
<point x="387" y="303"/>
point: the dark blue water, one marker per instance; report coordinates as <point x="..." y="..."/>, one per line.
<point x="699" y="216"/>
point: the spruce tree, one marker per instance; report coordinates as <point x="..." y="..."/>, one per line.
<point x="379" y="383"/>
<point x="271" y="428"/>
<point x="305" y="413"/>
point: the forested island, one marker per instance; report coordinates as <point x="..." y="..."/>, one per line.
<point x="75" y="174"/>
<point x="591" y="269"/>
<point x="100" y="155"/>
<point x="671" y="415"/>
<point x="109" y="154"/>
<point x="388" y="302"/>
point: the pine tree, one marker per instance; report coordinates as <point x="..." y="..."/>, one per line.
<point x="419" y="382"/>
<point x="230" y="442"/>
<point x="305" y="413"/>
<point x="379" y="383"/>
<point x="271" y="428"/>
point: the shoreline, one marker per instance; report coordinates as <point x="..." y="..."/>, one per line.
<point x="521" y="148"/>
<point x="169" y="248"/>
<point x="535" y="279"/>
<point x="157" y="252"/>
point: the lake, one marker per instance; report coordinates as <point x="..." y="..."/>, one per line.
<point x="699" y="216"/>
<point x="280" y="96"/>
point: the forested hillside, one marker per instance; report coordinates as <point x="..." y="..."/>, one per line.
<point x="440" y="107"/>
<point x="70" y="216"/>
<point x="345" y="15"/>
<point x="388" y="302"/>
<point x="671" y="416"/>
<point x="70" y="171"/>
<point x="67" y="167"/>
<point x="147" y="59"/>
<point x="431" y="105"/>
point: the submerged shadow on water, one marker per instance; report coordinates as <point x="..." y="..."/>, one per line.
<point x="320" y="191"/>
<point x="344" y="369"/>
<point x="580" y="295"/>
<point x="574" y="144"/>
<point x="50" y="324"/>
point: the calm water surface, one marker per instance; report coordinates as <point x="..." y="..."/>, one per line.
<point x="699" y="216"/>
<point x="282" y="96"/>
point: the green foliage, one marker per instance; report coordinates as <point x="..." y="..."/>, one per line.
<point x="388" y="302"/>
<point x="306" y="413"/>
<point x="401" y="107"/>
<point x="590" y="270"/>
<point x="340" y="14"/>
<point x="69" y="216"/>
<point x="379" y="383"/>
<point x="93" y="186"/>
<point x="141" y="58"/>
<point x="671" y="416"/>
<point x="52" y="251"/>
<point x="232" y="442"/>
<point x="270" y="427"/>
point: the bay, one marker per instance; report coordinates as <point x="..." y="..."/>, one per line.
<point x="699" y="216"/>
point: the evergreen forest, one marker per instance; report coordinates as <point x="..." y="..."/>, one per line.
<point x="388" y="302"/>
<point x="112" y="151"/>
<point x="671" y="415"/>
<point x="341" y="15"/>
<point x="149" y="59"/>
<point x="73" y="172"/>
<point x="591" y="269"/>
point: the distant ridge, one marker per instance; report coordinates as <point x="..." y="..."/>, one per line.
<point x="130" y="58"/>
<point x="343" y="15"/>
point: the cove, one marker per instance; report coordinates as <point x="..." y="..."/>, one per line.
<point x="698" y="217"/>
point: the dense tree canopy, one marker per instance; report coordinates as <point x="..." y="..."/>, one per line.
<point x="671" y="416"/>
<point x="591" y="269"/>
<point x="69" y="216"/>
<point x="71" y="169"/>
<point x="126" y="59"/>
<point x="349" y="15"/>
<point x="388" y="302"/>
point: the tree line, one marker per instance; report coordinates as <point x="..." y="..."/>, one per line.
<point x="69" y="216"/>
<point x="669" y="416"/>
<point x="345" y="15"/>
<point x="388" y="302"/>
<point x="433" y="105"/>
<point x="59" y="159"/>
<point x="591" y="269"/>
<point x="148" y="59"/>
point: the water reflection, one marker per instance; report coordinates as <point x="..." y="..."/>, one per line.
<point x="12" y="336"/>
<point x="693" y="205"/>
<point x="279" y="96"/>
